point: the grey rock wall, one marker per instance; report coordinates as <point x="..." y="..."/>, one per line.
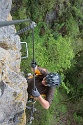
<point x="13" y="86"/>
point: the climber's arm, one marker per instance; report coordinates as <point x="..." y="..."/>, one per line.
<point x="43" y="102"/>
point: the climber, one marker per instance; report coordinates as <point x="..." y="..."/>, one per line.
<point x="45" y="83"/>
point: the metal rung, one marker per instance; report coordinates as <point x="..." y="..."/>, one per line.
<point x="26" y="50"/>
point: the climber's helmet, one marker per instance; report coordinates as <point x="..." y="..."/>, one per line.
<point x="53" y="80"/>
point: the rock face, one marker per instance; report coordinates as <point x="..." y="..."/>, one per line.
<point x="13" y="86"/>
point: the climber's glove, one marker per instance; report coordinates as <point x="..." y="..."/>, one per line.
<point x="35" y="92"/>
<point x="33" y="64"/>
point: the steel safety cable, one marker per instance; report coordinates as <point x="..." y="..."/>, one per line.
<point x="33" y="56"/>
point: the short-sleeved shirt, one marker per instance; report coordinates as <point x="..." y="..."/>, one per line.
<point x="48" y="91"/>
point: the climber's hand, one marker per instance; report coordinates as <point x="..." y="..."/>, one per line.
<point x="35" y="92"/>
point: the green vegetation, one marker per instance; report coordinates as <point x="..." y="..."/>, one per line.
<point x="58" y="41"/>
